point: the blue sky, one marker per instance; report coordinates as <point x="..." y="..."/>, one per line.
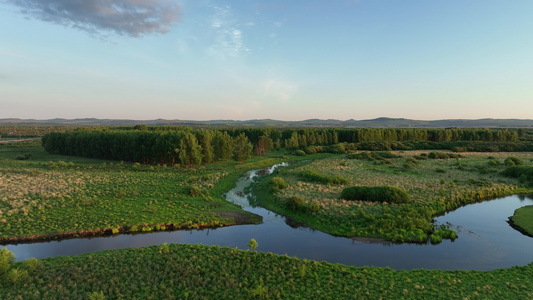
<point x="285" y="60"/>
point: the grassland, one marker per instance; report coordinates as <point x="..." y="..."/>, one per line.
<point x="201" y="272"/>
<point x="45" y="196"/>
<point x="523" y="219"/>
<point x="434" y="185"/>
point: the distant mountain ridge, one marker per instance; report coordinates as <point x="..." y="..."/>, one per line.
<point x="375" y="123"/>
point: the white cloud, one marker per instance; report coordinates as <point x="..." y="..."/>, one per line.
<point x="228" y="36"/>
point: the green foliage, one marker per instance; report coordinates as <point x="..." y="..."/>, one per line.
<point x="296" y="203"/>
<point x="443" y="155"/>
<point x="213" y="272"/>
<point x="194" y="191"/>
<point x="243" y="148"/>
<point x="190" y="152"/>
<point x="300" y="153"/>
<point x="32" y="264"/>
<point x="388" y="194"/>
<point x="96" y="296"/>
<point x="25" y="156"/>
<point x="314" y="176"/>
<point x="513" y="161"/>
<point x="253" y="244"/>
<point x="16" y="275"/>
<point x="442" y="233"/>
<point x="277" y="183"/>
<point x="6" y="258"/>
<point x="164" y="248"/>
<point x="523" y="219"/>
<point x="373" y="156"/>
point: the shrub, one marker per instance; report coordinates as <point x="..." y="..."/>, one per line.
<point x="96" y="296"/>
<point x="277" y="183"/>
<point x="372" y="156"/>
<point x="6" y="257"/>
<point x="17" y="275"/>
<point x="338" y="180"/>
<point x="23" y="156"/>
<point x="313" y="149"/>
<point x="376" y="193"/>
<point x="512" y="161"/>
<point x="253" y="244"/>
<point x="296" y="203"/>
<point x="300" y="153"/>
<point x="314" y="176"/>
<point x="194" y="191"/>
<point x="493" y="163"/>
<point x="314" y="207"/>
<point x="32" y="264"/>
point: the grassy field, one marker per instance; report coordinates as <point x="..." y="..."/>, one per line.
<point x="434" y="186"/>
<point x="201" y="272"/>
<point x="523" y="219"/>
<point x="43" y="195"/>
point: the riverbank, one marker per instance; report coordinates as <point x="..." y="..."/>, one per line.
<point x="522" y="220"/>
<point x="44" y="196"/>
<point x="435" y="186"/>
<point x="196" y="271"/>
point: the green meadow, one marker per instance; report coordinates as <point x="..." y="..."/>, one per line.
<point x="435" y="182"/>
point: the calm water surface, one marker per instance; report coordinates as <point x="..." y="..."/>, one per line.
<point x="486" y="241"/>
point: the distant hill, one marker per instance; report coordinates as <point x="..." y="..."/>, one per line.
<point x="379" y="122"/>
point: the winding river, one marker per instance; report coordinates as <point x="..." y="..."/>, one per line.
<point x="486" y="241"/>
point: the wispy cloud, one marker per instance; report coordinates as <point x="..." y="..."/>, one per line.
<point x="275" y="89"/>
<point x="124" y="17"/>
<point x="228" y="34"/>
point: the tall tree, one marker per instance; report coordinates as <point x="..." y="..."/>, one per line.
<point x="263" y="145"/>
<point x="189" y="152"/>
<point x="223" y="145"/>
<point x="243" y="148"/>
<point x="205" y="139"/>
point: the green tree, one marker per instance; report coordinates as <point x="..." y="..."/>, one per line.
<point x="253" y="244"/>
<point x="190" y="152"/>
<point x="223" y="145"/>
<point x="6" y="258"/>
<point x="205" y="139"/>
<point x="263" y="145"/>
<point x="242" y="148"/>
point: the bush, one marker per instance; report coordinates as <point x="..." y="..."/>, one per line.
<point x="373" y="156"/>
<point x="32" y="264"/>
<point x="493" y="163"/>
<point x="376" y="193"/>
<point x="300" y="153"/>
<point x="296" y="203"/>
<point x="512" y="161"/>
<point x="443" y="155"/>
<point x="6" y="258"/>
<point x="17" y="275"/>
<point x="194" y="191"/>
<point x="23" y="156"/>
<point x="313" y="149"/>
<point x="314" y="176"/>
<point x="277" y="183"/>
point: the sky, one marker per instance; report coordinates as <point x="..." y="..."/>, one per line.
<point x="275" y="59"/>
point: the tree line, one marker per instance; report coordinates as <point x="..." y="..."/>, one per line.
<point x="187" y="146"/>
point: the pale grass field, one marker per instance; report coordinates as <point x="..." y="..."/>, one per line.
<point x="423" y="182"/>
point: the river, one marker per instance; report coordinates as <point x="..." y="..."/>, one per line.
<point x="486" y="241"/>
